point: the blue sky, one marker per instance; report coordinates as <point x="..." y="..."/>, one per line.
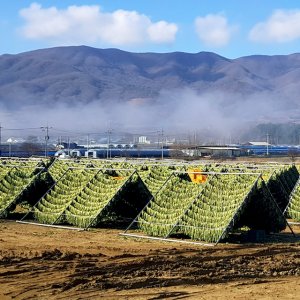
<point x="231" y="28"/>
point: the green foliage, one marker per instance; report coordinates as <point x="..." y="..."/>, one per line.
<point x="168" y="205"/>
<point x="16" y="182"/>
<point x="281" y="184"/>
<point x="85" y="209"/>
<point x="51" y="207"/>
<point x="87" y="193"/>
<point x="294" y="205"/>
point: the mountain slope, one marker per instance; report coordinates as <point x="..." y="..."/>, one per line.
<point x="84" y="74"/>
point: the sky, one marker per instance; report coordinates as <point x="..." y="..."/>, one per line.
<point x="231" y="28"/>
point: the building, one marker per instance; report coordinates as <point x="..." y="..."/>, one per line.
<point x="215" y="151"/>
<point x="258" y="144"/>
<point x="143" y="140"/>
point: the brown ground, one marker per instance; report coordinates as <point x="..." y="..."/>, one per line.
<point x="46" y="263"/>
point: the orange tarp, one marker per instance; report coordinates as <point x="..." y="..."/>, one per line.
<point x="196" y="176"/>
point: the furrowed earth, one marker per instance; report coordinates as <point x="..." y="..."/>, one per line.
<point x="49" y="263"/>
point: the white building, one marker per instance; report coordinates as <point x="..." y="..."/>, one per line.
<point x="143" y="140"/>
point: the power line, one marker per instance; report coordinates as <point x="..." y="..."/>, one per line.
<point x="20" y="129"/>
<point x="76" y="132"/>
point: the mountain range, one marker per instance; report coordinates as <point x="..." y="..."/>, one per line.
<point x="83" y="74"/>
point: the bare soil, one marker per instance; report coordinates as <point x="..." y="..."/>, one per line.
<point x="48" y="263"/>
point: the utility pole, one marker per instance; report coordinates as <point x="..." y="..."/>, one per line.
<point x="0" y="140"/>
<point x="9" y="146"/>
<point x="267" y="144"/>
<point x="88" y="142"/>
<point x="68" y="142"/>
<point x="108" y="153"/>
<point x="46" y="129"/>
<point x="162" y="144"/>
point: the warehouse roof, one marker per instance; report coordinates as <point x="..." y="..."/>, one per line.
<point x="258" y="144"/>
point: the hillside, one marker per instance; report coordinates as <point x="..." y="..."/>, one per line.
<point x="84" y="74"/>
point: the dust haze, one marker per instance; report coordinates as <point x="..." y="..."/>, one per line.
<point x="212" y="116"/>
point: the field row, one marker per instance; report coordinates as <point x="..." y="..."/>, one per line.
<point x="203" y="202"/>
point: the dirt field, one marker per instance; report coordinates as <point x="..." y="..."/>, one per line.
<point x="46" y="263"/>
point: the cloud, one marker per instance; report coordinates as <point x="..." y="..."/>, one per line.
<point x="282" y="26"/>
<point x="214" y="30"/>
<point x="162" y="32"/>
<point x="89" y="24"/>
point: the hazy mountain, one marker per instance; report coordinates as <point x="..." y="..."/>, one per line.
<point x="88" y="89"/>
<point x="84" y="74"/>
